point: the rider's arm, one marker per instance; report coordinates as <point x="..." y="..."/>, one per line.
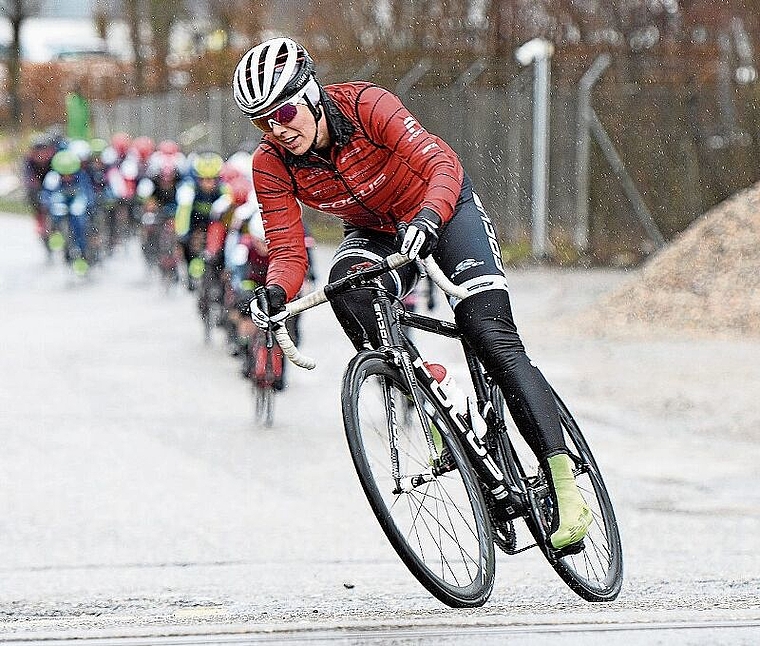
<point x="388" y="123"/>
<point x="185" y="199"/>
<point x="281" y="215"/>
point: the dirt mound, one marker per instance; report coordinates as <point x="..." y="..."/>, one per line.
<point x="706" y="280"/>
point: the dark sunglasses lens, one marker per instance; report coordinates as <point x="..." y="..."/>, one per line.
<point x="283" y="115"/>
<point x="286" y="113"/>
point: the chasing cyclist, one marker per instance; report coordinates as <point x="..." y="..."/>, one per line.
<point x="35" y="165"/>
<point x="353" y="150"/>
<point x="67" y="195"/>
<point x="195" y="198"/>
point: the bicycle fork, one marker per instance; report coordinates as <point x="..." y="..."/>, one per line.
<point x="438" y="466"/>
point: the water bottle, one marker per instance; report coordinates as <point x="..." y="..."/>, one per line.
<point x="463" y="405"/>
<point x="450" y="388"/>
<point x="475" y="447"/>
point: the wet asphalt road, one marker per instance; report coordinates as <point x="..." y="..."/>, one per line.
<point x="139" y="498"/>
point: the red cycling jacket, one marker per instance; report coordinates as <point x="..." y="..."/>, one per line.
<point x="383" y="167"/>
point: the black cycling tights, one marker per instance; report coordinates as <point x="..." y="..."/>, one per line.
<point x="487" y="323"/>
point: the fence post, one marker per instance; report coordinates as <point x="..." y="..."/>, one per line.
<point x="583" y="149"/>
<point x="409" y="79"/>
<point x="626" y="181"/>
<point x="539" y="51"/>
<point x="467" y="77"/>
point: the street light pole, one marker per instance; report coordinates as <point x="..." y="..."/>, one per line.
<point x="539" y="52"/>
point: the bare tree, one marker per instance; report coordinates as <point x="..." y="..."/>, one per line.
<point x="133" y="14"/>
<point x="162" y="14"/>
<point x="150" y="24"/>
<point x="16" y="11"/>
<point x="245" y="18"/>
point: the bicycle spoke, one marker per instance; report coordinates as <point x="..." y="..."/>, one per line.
<point x="422" y="513"/>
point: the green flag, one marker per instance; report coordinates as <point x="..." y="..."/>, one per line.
<point x="77" y="117"/>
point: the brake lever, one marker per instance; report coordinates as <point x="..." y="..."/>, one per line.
<point x="263" y="301"/>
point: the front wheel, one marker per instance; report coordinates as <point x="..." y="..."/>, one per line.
<point x="263" y="396"/>
<point x="435" y="521"/>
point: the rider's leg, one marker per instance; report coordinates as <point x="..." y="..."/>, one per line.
<point x="79" y="224"/>
<point x="468" y="252"/>
<point x="354" y="309"/>
<point x="486" y="320"/>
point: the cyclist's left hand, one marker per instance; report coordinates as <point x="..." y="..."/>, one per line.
<point x="273" y="310"/>
<point x="421" y="236"/>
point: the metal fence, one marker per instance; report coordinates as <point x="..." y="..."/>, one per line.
<point x="489" y="127"/>
<point x="492" y="129"/>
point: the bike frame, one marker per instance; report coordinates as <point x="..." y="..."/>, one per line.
<point x="483" y="439"/>
<point x="479" y="444"/>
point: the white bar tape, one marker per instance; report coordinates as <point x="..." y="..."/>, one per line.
<point x="291" y="351"/>
<point x="440" y="279"/>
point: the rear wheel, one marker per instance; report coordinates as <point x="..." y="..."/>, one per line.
<point x="595" y="571"/>
<point x="435" y="521"/>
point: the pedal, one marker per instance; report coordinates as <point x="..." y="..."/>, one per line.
<point x="569" y="550"/>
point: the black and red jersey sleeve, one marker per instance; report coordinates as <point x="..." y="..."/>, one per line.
<point x="281" y="216"/>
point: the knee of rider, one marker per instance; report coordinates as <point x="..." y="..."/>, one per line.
<point x="484" y="329"/>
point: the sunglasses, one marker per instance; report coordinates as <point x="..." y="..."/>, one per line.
<point x="281" y="116"/>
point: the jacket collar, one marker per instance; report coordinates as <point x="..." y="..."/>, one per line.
<point x="338" y="125"/>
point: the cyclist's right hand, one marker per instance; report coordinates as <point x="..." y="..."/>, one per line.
<point x="268" y="306"/>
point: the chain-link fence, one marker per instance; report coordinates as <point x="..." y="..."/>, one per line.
<point x="490" y="125"/>
<point x="490" y="128"/>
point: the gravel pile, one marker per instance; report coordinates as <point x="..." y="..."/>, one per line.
<point x="707" y="280"/>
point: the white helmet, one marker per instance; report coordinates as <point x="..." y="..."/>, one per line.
<point x="81" y="149"/>
<point x="272" y="73"/>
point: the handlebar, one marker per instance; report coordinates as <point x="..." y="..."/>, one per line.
<point x="320" y="296"/>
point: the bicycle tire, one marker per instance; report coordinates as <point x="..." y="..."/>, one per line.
<point x="447" y="545"/>
<point x="596" y="572"/>
<point x="264" y="404"/>
<point x="262" y="380"/>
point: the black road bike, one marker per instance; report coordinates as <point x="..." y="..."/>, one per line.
<point x="447" y="487"/>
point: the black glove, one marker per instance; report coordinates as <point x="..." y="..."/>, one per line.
<point x="268" y="306"/>
<point x="421" y="236"/>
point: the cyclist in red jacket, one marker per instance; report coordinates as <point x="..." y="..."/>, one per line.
<point x="353" y="150"/>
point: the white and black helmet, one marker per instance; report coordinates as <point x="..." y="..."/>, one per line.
<point x="272" y="73"/>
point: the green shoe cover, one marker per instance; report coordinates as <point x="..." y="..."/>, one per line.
<point x="80" y="266"/>
<point x="574" y="514"/>
<point x="56" y="241"/>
